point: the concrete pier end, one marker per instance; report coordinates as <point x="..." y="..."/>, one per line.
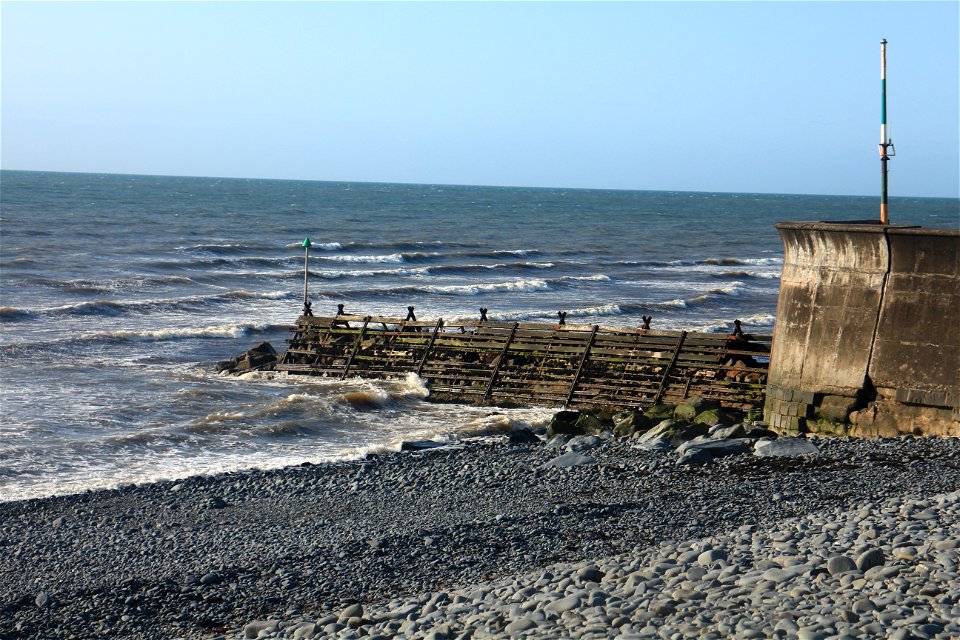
<point x="867" y="335"/>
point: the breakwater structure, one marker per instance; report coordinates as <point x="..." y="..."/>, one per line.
<point x="485" y="362"/>
<point x="868" y="323"/>
<point x="867" y="333"/>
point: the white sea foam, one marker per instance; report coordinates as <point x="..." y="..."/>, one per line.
<point x="372" y="259"/>
<point x="601" y="310"/>
<point x="323" y="246"/>
<point x="334" y="274"/>
<point x="597" y="277"/>
<point x="532" y="284"/>
<point x="760" y="320"/>
<point x="677" y="303"/>
<point x="211" y="331"/>
<point x="729" y="289"/>
<point x="717" y="326"/>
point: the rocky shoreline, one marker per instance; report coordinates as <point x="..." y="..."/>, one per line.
<point x="410" y="536"/>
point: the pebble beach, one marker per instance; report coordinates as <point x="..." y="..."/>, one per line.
<point x="494" y="538"/>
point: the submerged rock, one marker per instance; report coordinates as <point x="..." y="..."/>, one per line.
<point x="261" y="357"/>
<point x="523" y="436"/>
<point x="564" y="422"/>
<point x="419" y="445"/>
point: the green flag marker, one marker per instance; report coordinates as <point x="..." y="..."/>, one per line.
<point x="306" y="271"/>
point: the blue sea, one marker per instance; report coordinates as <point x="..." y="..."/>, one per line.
<point x="119" y="293"/>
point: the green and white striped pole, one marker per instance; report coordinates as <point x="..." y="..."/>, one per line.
<point x="306" y="271"/>
<point x="886" y="142"/>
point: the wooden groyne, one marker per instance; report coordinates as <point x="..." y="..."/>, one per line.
<point x="488" y="362"/>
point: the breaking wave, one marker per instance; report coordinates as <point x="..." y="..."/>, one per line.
<point x="14" y="314"/>
<point x="113" y="308"/>
<point x="384" y="259"/>
<point x="758" y="262"/>
<point x="323" y="246"/>
<point x="214" y="331"/>
<point x="105" y="285"/>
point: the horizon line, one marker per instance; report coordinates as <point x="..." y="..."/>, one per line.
<point x="453" y="184"/>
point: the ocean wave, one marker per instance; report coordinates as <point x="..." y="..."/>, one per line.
<point x="513" y="286"/>
<point x="550" y="317"/>
<point x="473" y="268"/>
<point x="213" y="331"/>
<point x="759" y="262"/>
<point x="237" y="330"/>
<point x="242" y="294"/>
<point x="14" y="314"/>
<point x="647" y="263"/>
<point x="759" y="320"/>
<point x="513" y="252"/>
<point x="374" y="259"/>
<point x="116" y="308"/>
<point x="717" y="326"/>
<point x="601" y="310"/>
<point x="105" y="285"/>
<point x="764" y="275"/>
<point x="407" y="245"/>
<point x="225" y="248"/>
<point x="532" y="284"/>
<point x="193" y="262"/>
<point x="597" y="277"/>
<point x="336" y="274"/>
<point x="712" y="262"/>
<point x="323" y="246"/>
<point x="730" y="289"/>
<point x="677" y="303"/>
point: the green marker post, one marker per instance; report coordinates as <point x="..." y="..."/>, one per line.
<point x="306" y="271"/>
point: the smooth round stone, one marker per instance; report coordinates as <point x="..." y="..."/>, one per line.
<point x="564" y="604"/>
<point x="353" y="611"/>
<point x="590" y="574"/>
<point x="517" y="626"/>
<point x="707" y="558"/>
<point x="864" y="605"/>
<point x="840" y="564"/>
<point x="905" y="553"/>
<point x="870" y="559"/>
<point x="696" y="573"/>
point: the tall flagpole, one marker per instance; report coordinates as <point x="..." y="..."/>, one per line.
<point x="887" y="149"/>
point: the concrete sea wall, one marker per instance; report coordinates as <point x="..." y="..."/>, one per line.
<point x="867" y="337"/>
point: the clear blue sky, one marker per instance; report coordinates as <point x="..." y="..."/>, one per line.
<point x="756" y="97"/>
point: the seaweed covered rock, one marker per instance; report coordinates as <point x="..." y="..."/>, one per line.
<point x="660" y="412"/>
<point x="692" y="407"/>
<point x="591" y="422"/>
<point x="579" y="423"/>
<point x="713" y="417"/>
<point x="627" y="423"/>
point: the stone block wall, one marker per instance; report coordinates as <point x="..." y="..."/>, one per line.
<point x="867" y="338"/>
